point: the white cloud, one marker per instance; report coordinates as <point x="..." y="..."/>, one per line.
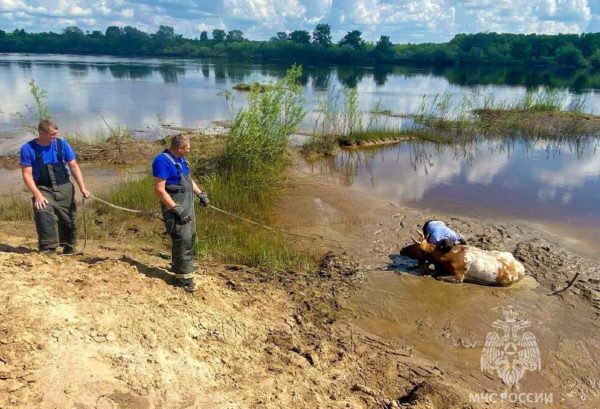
<point x="263" y="9"/>
<point x="402" y="20"/>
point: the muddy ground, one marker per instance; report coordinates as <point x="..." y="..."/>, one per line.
<point x="108" y="329"/>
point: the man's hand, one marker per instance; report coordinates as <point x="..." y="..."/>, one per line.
<point x="85" y="193"/>
<point x="182" y="216"/>
<point x="39" y="201"/>
<point x="203" y="197"/>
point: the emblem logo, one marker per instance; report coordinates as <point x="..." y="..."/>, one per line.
<point x="507" y="353"/>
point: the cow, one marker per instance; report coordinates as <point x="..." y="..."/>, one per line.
<point x="468" y="262"/>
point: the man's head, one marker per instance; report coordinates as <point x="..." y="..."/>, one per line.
<point x="180" y="145"/>
<point x="47" y="129"/>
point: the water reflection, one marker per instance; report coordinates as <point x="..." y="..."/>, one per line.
<point x="542" y="180"/>
<point x="185" y="92"/>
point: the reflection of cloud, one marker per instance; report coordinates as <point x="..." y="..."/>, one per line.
<point x="571" y="175"/>
<point x="398" y="179"/>
<point x="485" y="167"/>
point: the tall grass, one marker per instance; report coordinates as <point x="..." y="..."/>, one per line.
<point x="247" y="181"/>
<point x="252" y="195"/>
<point x="16" y="207"/>
<point x="260" y="131"/>
<point x="341" y="122"/>
<point x="136" y="194"/>
<point x="34" y="114"/>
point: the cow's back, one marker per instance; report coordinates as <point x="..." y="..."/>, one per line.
<point x="512" y="270"/>
<point x="491" y="267"/>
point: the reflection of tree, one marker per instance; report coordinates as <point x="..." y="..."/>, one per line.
<point x="238" y="72"/>
<point x="320" y="78"/>
<point x="78" y="70"/>
<point x="380" y="74"/>
<point x="205" y="70"/>
<point x="122" y="71"/>
<point x="423" y="156"/>
<point x="530" y="77"/>
<point x="170" y="72"/>
<point x="220" y="71"/>
<point x="350" y="76"/>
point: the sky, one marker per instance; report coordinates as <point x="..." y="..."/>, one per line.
<point x="402" y="20"/>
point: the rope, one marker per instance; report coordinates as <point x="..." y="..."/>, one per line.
<point x="125" y="209"/>
<point x="275" y="229"/>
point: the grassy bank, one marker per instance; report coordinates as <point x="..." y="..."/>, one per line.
<point x="243" y="176"/>
<point x="537" y="115"/>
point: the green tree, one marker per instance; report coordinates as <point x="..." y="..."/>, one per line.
<point x="204" y="36"/>
<point x="113" y="33"/>
<point x="165" y="34"/>
<point x="280" y="36"/>
<point x="73" y="31"/>
<point x="219" y="35"/>
<point x="322" y="35"/>
<point x="353" y="38"/>
<point x="300" y="37"/>
<point x="235" y="36"/>
<point x="569" y="55"/>
<point x="2" y="33"/>
<point x="384" y="47"/>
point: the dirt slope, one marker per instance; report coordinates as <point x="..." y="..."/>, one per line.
<point x="107" y="331"/>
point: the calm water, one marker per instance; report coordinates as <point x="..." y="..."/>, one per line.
<point x="532" y="182"/>
<point x="131" y="92"/>
<point x="554" y="184"/>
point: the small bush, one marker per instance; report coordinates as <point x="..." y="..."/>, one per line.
<point x="260" y="132"/>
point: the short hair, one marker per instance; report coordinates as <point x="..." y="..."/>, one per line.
<point x="179" y="140"/>
<point x="445" y="245"/>
<point x="46" y="124"/>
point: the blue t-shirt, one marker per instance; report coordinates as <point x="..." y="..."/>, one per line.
<point x="437" y="231"/>
<point x="163" y="168"/>
<point x="49" y="155"/>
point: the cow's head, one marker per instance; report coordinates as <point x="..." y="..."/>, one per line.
<point x="413" y="251"/>
<point x="424" y="247"/>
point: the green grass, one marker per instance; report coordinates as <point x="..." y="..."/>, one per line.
<point x="253" y="86"/>
<point x="16" y="208"/>
<point x="537" y="115"/>
<point x="244" y="179"/>
<point x="250" y="195"/>
<point x="137" y="194"/>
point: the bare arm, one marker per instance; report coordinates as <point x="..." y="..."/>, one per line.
<point x="39" y="201"/>
<point x="161" y="193"/>
<point x="76" y="172"/>
<point x="197" y="190"/>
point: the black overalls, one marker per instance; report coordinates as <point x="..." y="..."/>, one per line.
<point x="54" y="184"/>
<point x="183" y="236"/>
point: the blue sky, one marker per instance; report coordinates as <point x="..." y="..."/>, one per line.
<point x="402" y="20"/>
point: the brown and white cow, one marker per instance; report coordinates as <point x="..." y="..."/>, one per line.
<point x="471" y="263"/>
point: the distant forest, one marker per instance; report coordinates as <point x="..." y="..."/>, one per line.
<point x="567" y="50"/>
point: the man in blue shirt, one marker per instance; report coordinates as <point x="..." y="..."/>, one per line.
<point x="440" y="235"/>
<point x="45" y="165"/>
<point x="175" y="189"/>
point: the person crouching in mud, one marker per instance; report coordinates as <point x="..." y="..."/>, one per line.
<point x="439" y="234"/>
<point x="444" y="238"/>
<point x="45" y="165"/>
<point x="175" y="188"/>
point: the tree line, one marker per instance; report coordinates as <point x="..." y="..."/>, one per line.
<point x="570" y="50"/>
